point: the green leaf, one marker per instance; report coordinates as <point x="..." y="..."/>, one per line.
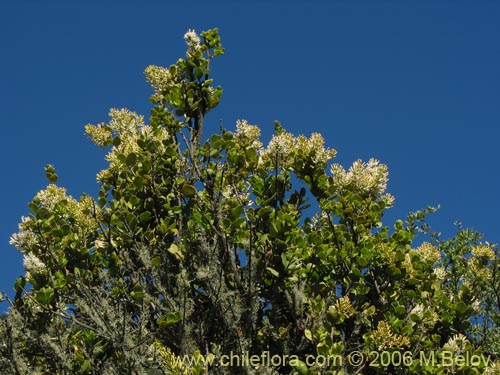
<point x="138" y="183"/>
<point x="59" y="280"/>
<point x="86" y="365"/>
<point x="334" y="316"/>
<point x="308" y="334"/>
<point x="188" y="190"/>
<point x="174" y="250"/>
<point x="131" y="159"/>
<point x="236" y="212"/>
<point x="156" y="261"/>
<point x="273" y="228"/>
<point x="144" y="216"/>
<point x="400" y="310"/>
<point x="300" y="366"/>
<point x="173" y="317"/>
<point x="20" y="284"/>
<point x="137" y="295"/>
<point x="273" y="271"/>
<point x="278" y="129"/>
<point x="45" y="295"/>
<point x="362" y="261"/>
<point x="371" y="310"/>
<point x="461" y="307"/>
<point x="138" y="292"/>
<point x="415" y="318"/>
<point x="42" y="213"/>
<point x="355" y="272"/>
<point x="50" y="173"/>
<point x="394" y="271"/>
<point x="251" y="156"/>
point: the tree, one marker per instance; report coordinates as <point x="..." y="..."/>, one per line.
<point x="199" y="253"/>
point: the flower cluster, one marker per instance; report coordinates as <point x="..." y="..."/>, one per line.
<point x="51" y="196"/>
<point x="478" y="269"/>
<point x="476" y="306"/>
<point x="314" y="148"/>
<point x="25" y="238"/>
<point x="63" y="209"/>
<point x="279" y="150"/>
<point x="247" y="135"/>
<point x="440" y="273"/>
<point x="384" y="338"/>
<point x="123" y="122"/>
<point x="458" y="343"/>
<point x="367" y="178"/>
<point x="408" y="265"/>
<point x="484" y="252"/>
<point x="493" y="368"/>
<point x="192" y="40"/>
<point x="159" y="77"/>
<point x="344" y="306"/>
<point x="284" y="150"/>
<point x="32" y="263"/>
<point x="240" y="194"/>
<point x="129" y="126"/>
<point x="418" y="309"/>
<point x="100" y="134"/>
<point x="430" y="317"/>
<point x="429" y="253"/>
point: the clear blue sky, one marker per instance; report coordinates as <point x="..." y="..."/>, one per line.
<point x="415" y="84"/>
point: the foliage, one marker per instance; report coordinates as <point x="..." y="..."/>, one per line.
<point x="206" y="247"/>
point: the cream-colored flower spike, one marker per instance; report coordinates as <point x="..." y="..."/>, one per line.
<point x="370" y="177"/>
<point x="192" y="39"/>
<point x="32" y="263"/>
<point x="246" y="133"/>
<point x="284" y="147"/>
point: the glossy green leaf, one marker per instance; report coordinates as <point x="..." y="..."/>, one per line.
<point x="45" y="295"/>
<point x="156" y="261"/>
<point x="174" y="250"/>
<point x="188" y="190"/>
<point x="131" y="159"/>
<point x="173" y="317"/>
<point x="273" y="271"/>
<point x="145" y="216"/>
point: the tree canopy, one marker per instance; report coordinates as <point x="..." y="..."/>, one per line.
<point x="219" y="255"/>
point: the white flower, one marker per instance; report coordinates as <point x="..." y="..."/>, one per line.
<point x="159" y="77"/>
<point x="247" y="132"/>
<point x="476" y="305"/>
<point x="314" y="147"/>
<point x="32" y="263"/>
<point x="99" y="244"/>
<point x="284" y="149"/>
<point x="388" y="199"/>
<point x="440" y="273"/>
<point x="418" y="309"/>
<point x="483" y="252"/>
<point x="429" y="252"/>
<point x="281" y="144"/>
<point x="368" y="178"/>
<point x="493" y="368"/>
<point x="124" y="121"/>
<point x="25" y="238"/>
<point x="458" y="342"/>
<point x="279" y="150"/>
<point x="192" y="39"/>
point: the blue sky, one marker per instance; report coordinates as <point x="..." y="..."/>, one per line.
<point x="415" y="84"/>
